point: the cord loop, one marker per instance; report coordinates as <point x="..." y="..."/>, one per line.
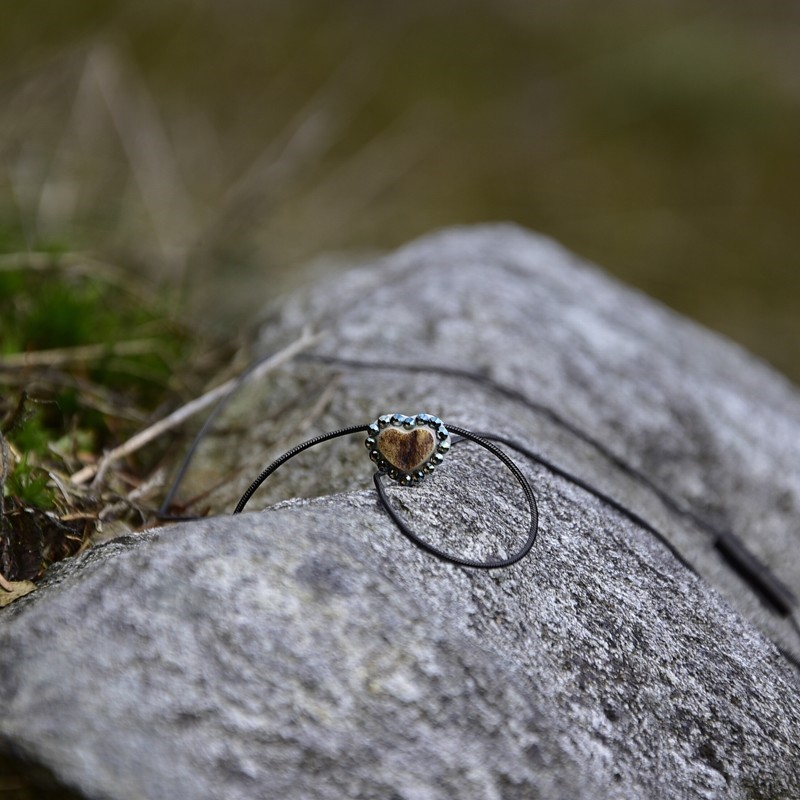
<point x="407" y="449"/>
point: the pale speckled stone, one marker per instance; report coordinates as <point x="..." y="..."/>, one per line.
<point x="312" y="651"/>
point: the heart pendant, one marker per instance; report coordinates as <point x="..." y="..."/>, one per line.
<point x="407" y="448"/>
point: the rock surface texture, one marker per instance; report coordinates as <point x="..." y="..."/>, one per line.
<point x="311" y="651"/>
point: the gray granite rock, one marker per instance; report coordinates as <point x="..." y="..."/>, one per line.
<point x="312" y="651"/>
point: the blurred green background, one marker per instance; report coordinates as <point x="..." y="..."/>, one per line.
<point x="227" y="147"/>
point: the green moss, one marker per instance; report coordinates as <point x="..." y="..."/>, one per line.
<point x="53" y="309"/>
<point x="87" y="389"/>
<point x="30" y="435"/>
<point x="29" y="485"/>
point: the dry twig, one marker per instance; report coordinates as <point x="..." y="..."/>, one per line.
<point x="180" y="415"/>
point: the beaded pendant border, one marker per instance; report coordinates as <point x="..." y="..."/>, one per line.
<point x="406" y="449"/>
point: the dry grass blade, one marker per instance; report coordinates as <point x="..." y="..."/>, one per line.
<point x="150" y="153"/>
<point x="300" y="148"/>
<point x="359" y="182"/>
<point x="61" y="356"/>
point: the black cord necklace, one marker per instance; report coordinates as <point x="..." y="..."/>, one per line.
<point x="406" y="450"/>
<point x="766" y="585"/>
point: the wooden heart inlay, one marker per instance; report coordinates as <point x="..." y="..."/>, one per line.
<point x="406" y="451"/>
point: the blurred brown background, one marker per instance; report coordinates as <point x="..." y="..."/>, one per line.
<point x="228" y="146"/>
